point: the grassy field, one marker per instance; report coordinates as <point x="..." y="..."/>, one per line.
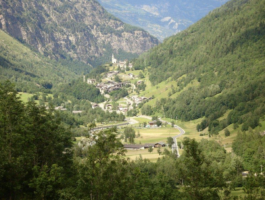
<point x="135" y="154"/>
<point x="141" y="120"/>
<point x="25" y="96"/>
<point x="153" y="135"/>
<point x="237" y="192"/>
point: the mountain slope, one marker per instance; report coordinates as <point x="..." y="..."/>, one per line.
<point x="30" y="70"/>
<point x="161" y="19"/>
<point x="77" y="29"/>
<point x="217" y="66"/>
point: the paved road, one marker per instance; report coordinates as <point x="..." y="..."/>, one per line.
<point x="175" y="145"/>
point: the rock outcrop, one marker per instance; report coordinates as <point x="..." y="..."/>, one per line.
<point x="75" y="29"/>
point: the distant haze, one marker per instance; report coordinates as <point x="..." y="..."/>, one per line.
<point x="161" y="18"/>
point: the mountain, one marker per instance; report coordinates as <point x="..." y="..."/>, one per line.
<point x="213" y="69"/>
<point x="30" y="70"/>
<point x="161" y="18"/>
<point x="77" y="29"/>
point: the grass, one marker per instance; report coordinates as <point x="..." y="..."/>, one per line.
<point x="153" y="135"/>
<point x="22" y="57"/>
<point x="25" y="96"/>
<point x="141" y="120"/>
<point x="237" y="192"/>
<point x="136" y="154"/>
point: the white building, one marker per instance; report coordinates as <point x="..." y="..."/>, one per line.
<point x="113" y="59"/>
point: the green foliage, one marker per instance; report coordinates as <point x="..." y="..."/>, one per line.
<point x="35" y="149"/>
<point x="193" y="168"/>
<point x="141" y="86"/>
<point x="129" y="133"/>
<point x="217" y="64"/>
<point x="81" y="90"/>
<point x="170" y="141"/>
<point x="227" y="132"/>
<point x="146" y="110"/>
<point x="150" y="149"/>
<point x="250" y="146"/>
<point x="132" y="113"/>
<point x="34" y="72"/>
<point x="88" y="115"/>
<point x="117" y="94"/>
<point x="117" y="79"/>
<point x="36" y="161"/>
<point x="141" y="75"/>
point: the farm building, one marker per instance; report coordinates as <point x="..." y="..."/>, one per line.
<point x="160" y="144"/>
<point x="133" y="146"/>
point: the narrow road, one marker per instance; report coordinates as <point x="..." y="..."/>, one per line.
<point x="175" y="145"/>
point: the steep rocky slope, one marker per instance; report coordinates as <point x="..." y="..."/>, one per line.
<point x="31" y="71"/>
<point x="78" y="29"/>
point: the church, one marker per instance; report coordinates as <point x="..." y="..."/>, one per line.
<point x="113" y="60"/>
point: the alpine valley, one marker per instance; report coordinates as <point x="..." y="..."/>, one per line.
<point x="92" y="108"/>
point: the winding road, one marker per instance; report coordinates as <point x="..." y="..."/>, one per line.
<point x="175" y="145"/>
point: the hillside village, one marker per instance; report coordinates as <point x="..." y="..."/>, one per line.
<point x="119" y="77"/>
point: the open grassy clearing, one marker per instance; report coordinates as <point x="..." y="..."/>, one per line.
<point x="158" y="91"/>
<point x="25" y="96"/>
<point x="135" y="72"/>
<point x="136" y="154"/>
<point x="153" y="135"/>
<point x="141" y="120"/>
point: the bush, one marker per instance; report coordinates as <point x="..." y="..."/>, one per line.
<point x="227" y="133"/>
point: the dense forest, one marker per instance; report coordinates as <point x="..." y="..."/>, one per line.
<point x="82" y="90"/>
<point x="40" y="161"/>
<point x="217" y="65"/>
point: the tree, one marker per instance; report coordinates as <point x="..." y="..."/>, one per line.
<point x="141" y="75"/>
<point x="159" y="150"/>
<point x="129" y="133"/>
<point x="150" y="149"/>
<point x="158" y="123"/>
<point x="192" y="168"/>
<point x="227" y="132"/>
<point x="170" y="141"/>
<point x="33" y="145"/>
<point x="117" y="78"/>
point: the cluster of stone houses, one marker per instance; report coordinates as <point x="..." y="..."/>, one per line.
<point x="95" y="106"/>
<point x="91" y="81"/>
<point x="137" y="100"/>
<point x="61" y="108"/>
<point x="122" y="109"/>
<point x="152" y="124"/>
<point x="144" y="146"/>
<point x="110" y="86"/>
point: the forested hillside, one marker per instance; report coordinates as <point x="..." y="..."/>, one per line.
<point x="76" y="29"/>
<point x="217" y="65"/>
<point x="31" y="71"/>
